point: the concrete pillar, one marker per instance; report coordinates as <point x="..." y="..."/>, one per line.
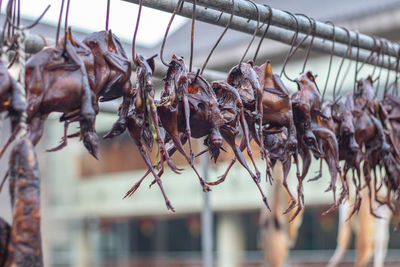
<point x="230" y="240"/>
<point x="80" y="254"/>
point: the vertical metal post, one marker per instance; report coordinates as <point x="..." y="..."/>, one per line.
<point x="206" y="218"/>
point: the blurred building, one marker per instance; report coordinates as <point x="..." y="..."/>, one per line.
<point x="86" y="221"/>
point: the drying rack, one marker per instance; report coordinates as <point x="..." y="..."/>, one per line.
<point x="283" y="26"/>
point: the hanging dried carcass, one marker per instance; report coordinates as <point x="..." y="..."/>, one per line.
<point x="11" y="98"/>
<point x="112" y="72"/>
<point x="244" y="78"/>
<point x="5" y="231"/>
<point x="313" y="135"/>
<point x="24" y="246"/>
<point x="349" y="151"/>
<point x="188" y="105"/>
<point x="142" y="121"/>
<point x="277" y="116"/>
<point x="109" y="72"/>
<point x="369" y="132"/>
<point x="57" y="79"/>
<point x="231" y="107"/>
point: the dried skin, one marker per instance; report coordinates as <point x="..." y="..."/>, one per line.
<point x="112" y="72"/>
<point x="143" y="119"/>
<point x="5" y="230"/>
<point x="58" y="82"/>
<point x="11" y="98"/>
<point x="24" y="248"/>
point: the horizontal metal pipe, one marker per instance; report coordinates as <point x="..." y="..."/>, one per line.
<point x="247" y="10"/>
<point x="276" y="33"/>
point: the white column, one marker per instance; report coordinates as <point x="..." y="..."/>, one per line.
<point x="230" y="240"/>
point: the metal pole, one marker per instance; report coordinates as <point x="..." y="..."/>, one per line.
<point x="282" y="35"/>
<point x="206" y="218"/>
<point x="247" y="10"/>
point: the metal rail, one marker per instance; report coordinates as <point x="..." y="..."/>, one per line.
<point x="280" y="34"/>
<point x="247" y="10"/>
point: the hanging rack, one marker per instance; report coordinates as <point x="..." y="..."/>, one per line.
<point x="209" y="11"/>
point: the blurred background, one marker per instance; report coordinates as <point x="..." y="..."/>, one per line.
<point x="85" y="221"/>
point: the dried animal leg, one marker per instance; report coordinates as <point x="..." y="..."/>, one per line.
<point x="135" y="129"/>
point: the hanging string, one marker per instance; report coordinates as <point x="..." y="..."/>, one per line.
<point x="220" y="38"/>
<point x="330" y="60"/>
<point x="255" y="32"/>
<point x="167" y="31"/>
<point x="136" y="30"/>
<point x="264" y="34"/>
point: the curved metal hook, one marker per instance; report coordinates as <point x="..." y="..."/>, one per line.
<point x="395" y="83"/>
<point x="388" y="71"/>
<point x="341" y="63"/>
<point x="330" y="60"/>
<point x="192" y="36"/>
<point x="292" y="48"/>
<point x="136" y="30"/>
<point x="384" y="49"/>
<point x="107" y="14"/>
<point x="357" y="57"/>
<point x="30" y="26"/>
<point x="59" y="21"/>
<point x="378" y="55"/>
<point x="166" y="32"/>
<point x="265" y="32"/>
<point x="220" y="38"/>
<point x="368" y="59"/>
<point x="294" y="38"/>
<point x="255" y="32"/>
<point x="312" y="32"/>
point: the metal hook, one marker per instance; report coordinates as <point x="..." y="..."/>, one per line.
<point x="192" y="35"/>
<point x="59" y="21"/>
<point x="357" y="56"/>
<point x="395" y="83"/>
<point x="348" y="52"/>
<point x="377" y="59"/>
<point x="384" y="49"/>
<point x="292" y="48"/>
<point x="312" y="32"/>
<point x="107" y="14"/>
<point x="166" y="32"/>
<point x="330" y="60"/>
<point x="388" y="71"/>
<point x="368" y="59"/>
<point x="265" y="32"/>
<point x="220" y="38"/>
<point x="136" y="30"/>
<point x="255" y="32"/>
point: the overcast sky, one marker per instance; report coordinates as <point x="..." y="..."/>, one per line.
<point x="89" y="16"/>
